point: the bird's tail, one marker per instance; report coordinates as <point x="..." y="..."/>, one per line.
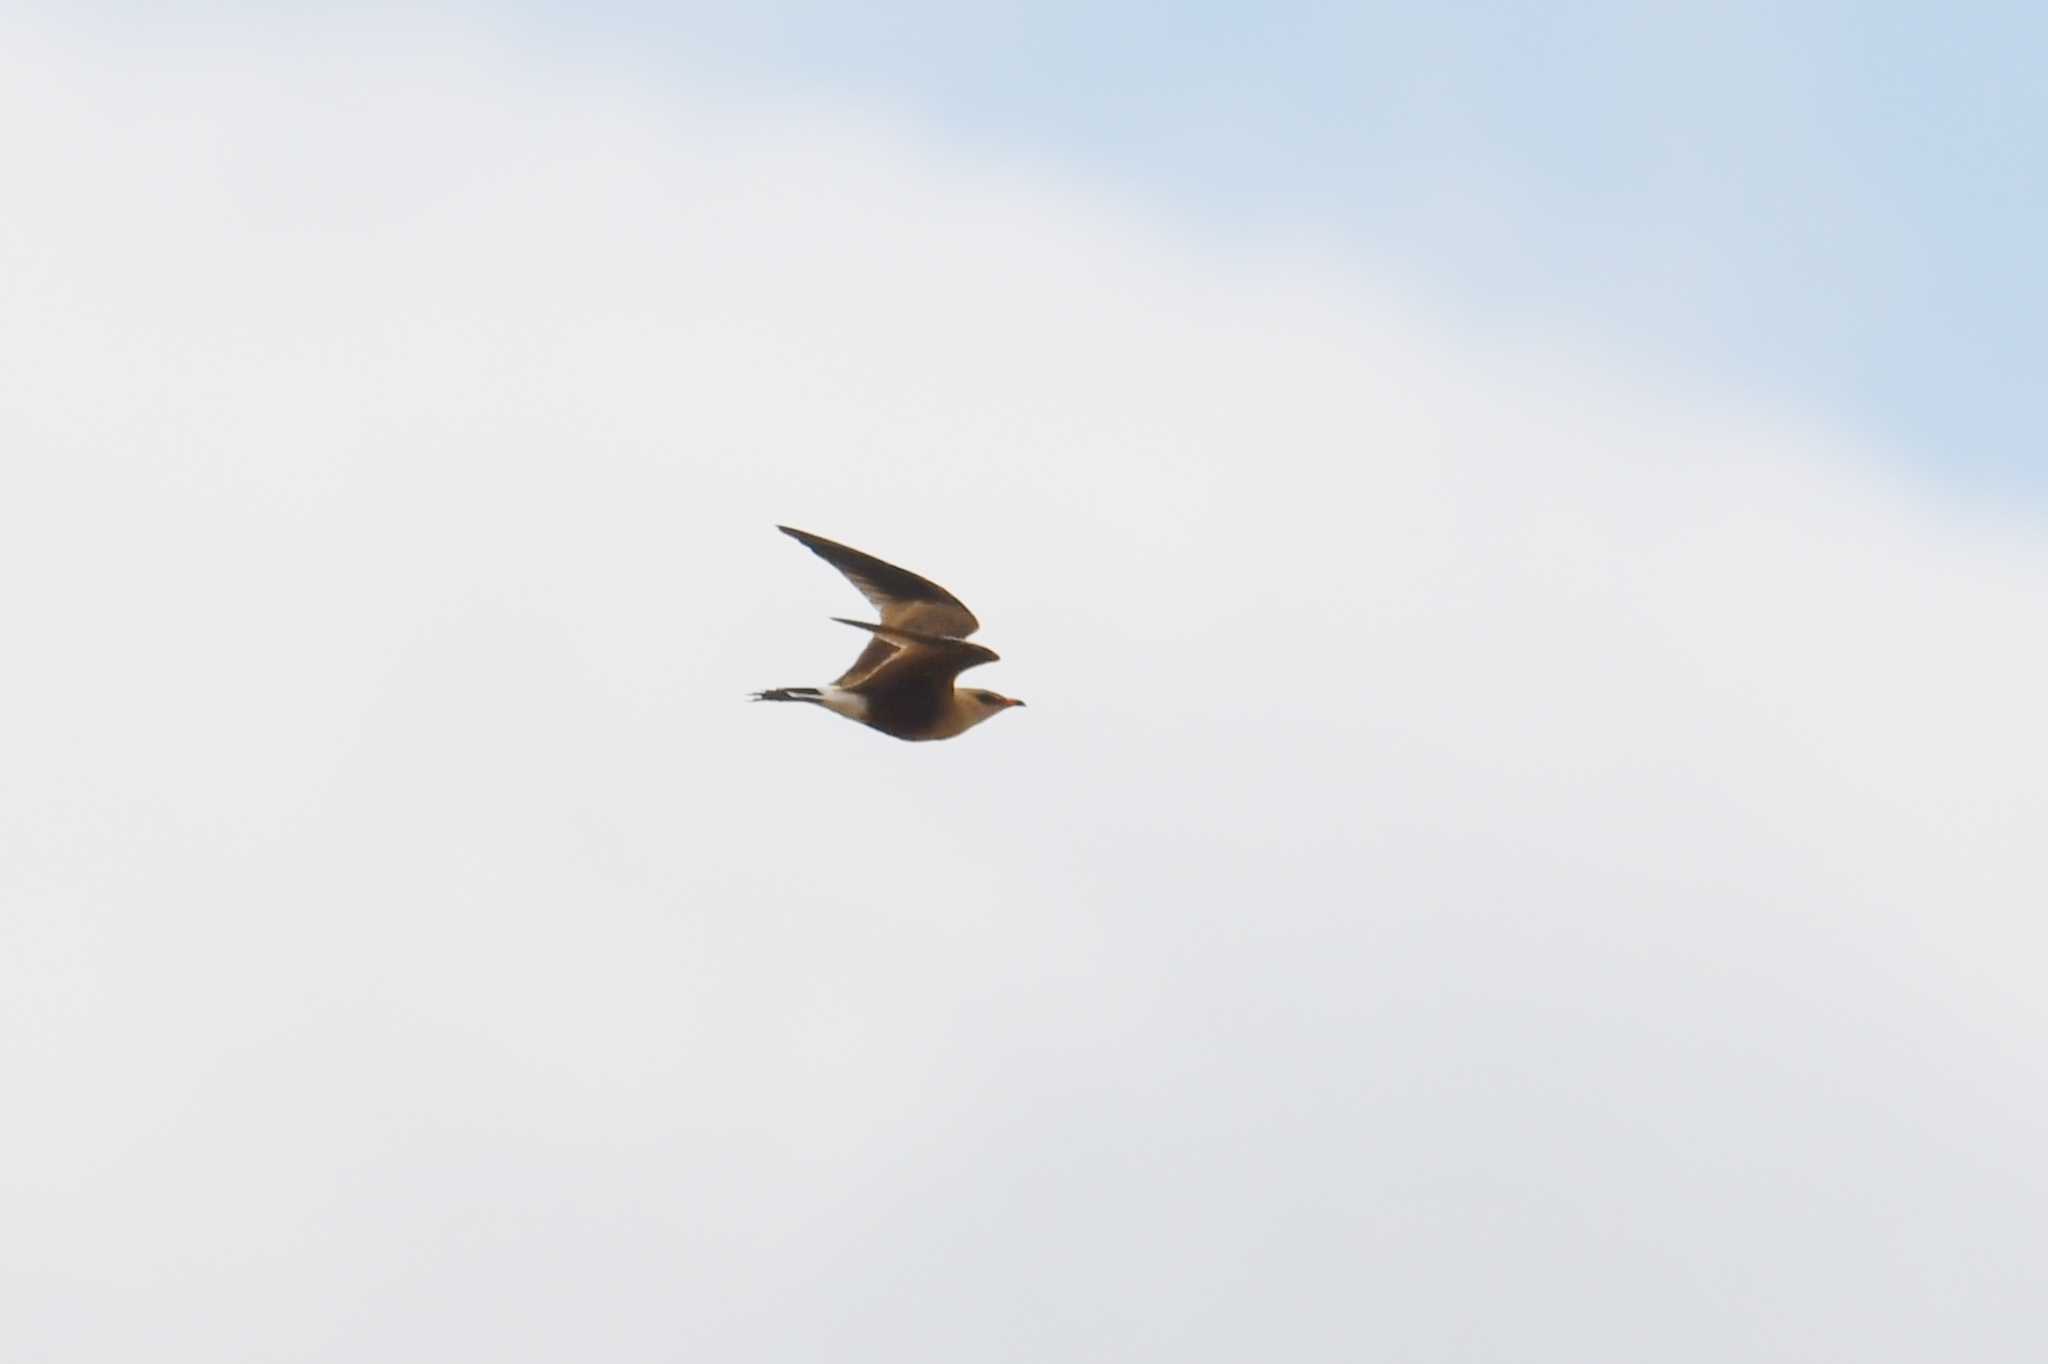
<point x="810" y="694"/>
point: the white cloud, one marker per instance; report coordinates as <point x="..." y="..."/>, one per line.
<point x="1507" y="857"/>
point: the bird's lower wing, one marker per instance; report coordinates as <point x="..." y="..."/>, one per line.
<point x="878" y="652"/>
<point x="937" y="653"/>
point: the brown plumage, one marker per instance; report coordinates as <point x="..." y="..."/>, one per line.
<point x="902" y="682"/>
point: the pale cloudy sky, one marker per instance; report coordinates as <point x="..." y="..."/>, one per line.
<point x="1524" y="846"/>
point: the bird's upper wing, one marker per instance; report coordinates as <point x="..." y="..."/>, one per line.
<point x="917" y="658"/>
<point x="905" y="600"/>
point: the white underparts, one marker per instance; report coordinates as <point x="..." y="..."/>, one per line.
<point x="843" y="702"/>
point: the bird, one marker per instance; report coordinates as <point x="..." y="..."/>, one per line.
<point x="902" y="682"/>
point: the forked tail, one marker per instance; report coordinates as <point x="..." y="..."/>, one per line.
<point x="810" y="694"/>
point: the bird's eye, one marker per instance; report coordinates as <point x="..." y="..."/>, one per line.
<point x="987" y="698"/>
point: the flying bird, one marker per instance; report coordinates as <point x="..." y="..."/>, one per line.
<point x="902" y="683"/>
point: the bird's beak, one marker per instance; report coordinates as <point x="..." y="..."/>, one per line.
<point x="1015" y="702"/>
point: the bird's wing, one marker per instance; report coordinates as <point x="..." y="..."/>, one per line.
<point x="905" y="600"/>
<point x="874" y="656"/>
<point x="917" y="658"/>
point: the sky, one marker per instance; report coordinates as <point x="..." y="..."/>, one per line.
<point x="1829" y="202"/>
<point x="1523" y="844"/>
